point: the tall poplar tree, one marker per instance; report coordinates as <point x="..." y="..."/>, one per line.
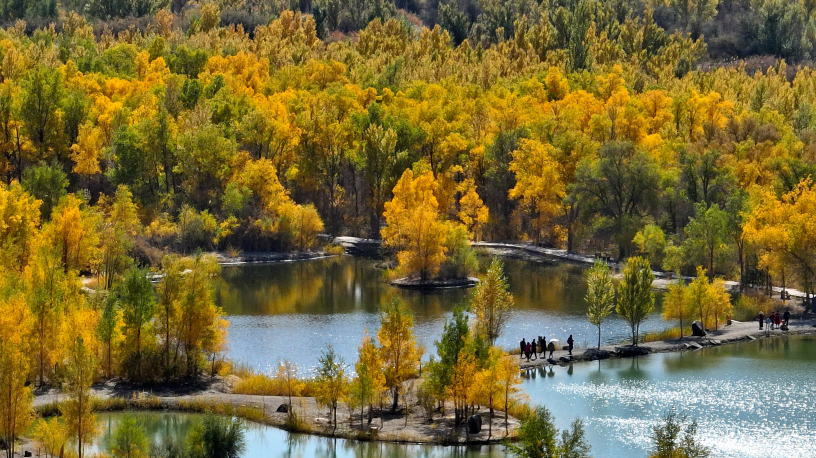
<point x="635" y="296"/>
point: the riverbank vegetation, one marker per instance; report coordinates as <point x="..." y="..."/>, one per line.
<point x="76" y="309"/>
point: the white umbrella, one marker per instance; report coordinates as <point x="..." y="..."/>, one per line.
<point x="554" y="340"/>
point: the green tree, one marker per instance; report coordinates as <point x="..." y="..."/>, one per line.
<point x="600" y="295"/>
<point x="623" y="186"/>
<point x="129" y="439"/>
<point x="138" y="299"/>
<point x="668" y="442"/>
<point x="47" y="183"/>
<point x="332" y="386"/>
<point x="707" y="237"/>
<point x="538" y="438"/>
<point x="448" y="347"/>
<point x="77" y="410"/>
<point x="39" y="110"/>
<point x="492" y="304"/>
<point x="106" y="330"/>
<point x="635" y="296"/>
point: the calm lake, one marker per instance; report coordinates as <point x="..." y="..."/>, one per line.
<point x="295" y="309"/>
<point x="752" y="400"/>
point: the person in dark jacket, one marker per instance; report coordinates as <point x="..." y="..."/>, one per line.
<point x="761" y="320"/>
<point x="533" y="351"/>
<point x="786" y="316"/>
<point x="523" y="346"/>
<point x="551" y="348"/>
<point x="542" y="345"/>
<point x="570" y="343"/>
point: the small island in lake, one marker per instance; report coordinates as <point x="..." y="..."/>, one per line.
<point x="430" y="251"/>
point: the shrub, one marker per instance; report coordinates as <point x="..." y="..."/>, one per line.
<point x="217" y="436"/>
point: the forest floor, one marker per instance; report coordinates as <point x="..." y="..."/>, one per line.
<point x="728" y="334"/>
<point x="385" y="426"/>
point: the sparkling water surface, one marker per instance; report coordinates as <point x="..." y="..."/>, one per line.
<point x="752" y="399"/>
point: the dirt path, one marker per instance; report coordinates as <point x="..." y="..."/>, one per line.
<point x="736" y="332"/>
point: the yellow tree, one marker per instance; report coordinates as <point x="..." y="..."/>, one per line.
<point x="473" y="212"/>
<point x="87" y="151"/>
<point x="78" y="408"/>
<point x="170" y="292"/>
<point x="509" y="382"/>
<point x="489" y="383"/>
<point x="539" y="186"/>
<point x="19" y="219"/>
<point x="51" y="436"/>
<point x="48" y="290"/>
<point x="492" y="304"/>
<point x="398" y="347"/>
<point x="675" y="304"/>
<point x="370" y="380"/>
<point x="784" y="231"/>
<point x="414" y="228"/>
<point x="463" y="390"/>
<point x="73" y="231"/>
<point x="708" y="300"/>
<point x="16" y="411"/>
<point x="199" y="317"/>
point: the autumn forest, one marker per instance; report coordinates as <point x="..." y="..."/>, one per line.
<point x="137" y="136"/>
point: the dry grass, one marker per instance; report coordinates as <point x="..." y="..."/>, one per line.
<point x="334" y="250"/>
<point x="666" y="334"/>
<point x="747" y="307"/>
<point x="259" y="384"/>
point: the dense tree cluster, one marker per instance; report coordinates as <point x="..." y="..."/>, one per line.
<point x="605" y="141"/>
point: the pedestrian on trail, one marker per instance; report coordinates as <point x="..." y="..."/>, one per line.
<point x="786" y="316"/>
<point x="533" y="351"/>
<point x="527" y="351"/>
<point x="523" y="346"/>
<point x="551" y="348"/>
<point x="570" y="343"/>
<point x="542" y="345"/>
<point x="777" y="319"/>
<point x="761" y="319"/>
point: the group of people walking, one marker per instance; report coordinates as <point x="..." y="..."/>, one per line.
<point x="775" y="320"/>
<point x="536" y="347"/>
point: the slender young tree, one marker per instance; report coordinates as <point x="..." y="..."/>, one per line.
<point x="16" y="398"/>
<point x="332" y="386"/>
<point x="369" y="381"/>
<point x="398" y="347"/>
<point x="600" y="295"/>
<point x="510" y="381"/>
<point x="492" y="304"/>
<point x="78" y="409"/>
<point x="137" y="298"/>
<point x="129" y="439"/>
<point x="635" y="296"/>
